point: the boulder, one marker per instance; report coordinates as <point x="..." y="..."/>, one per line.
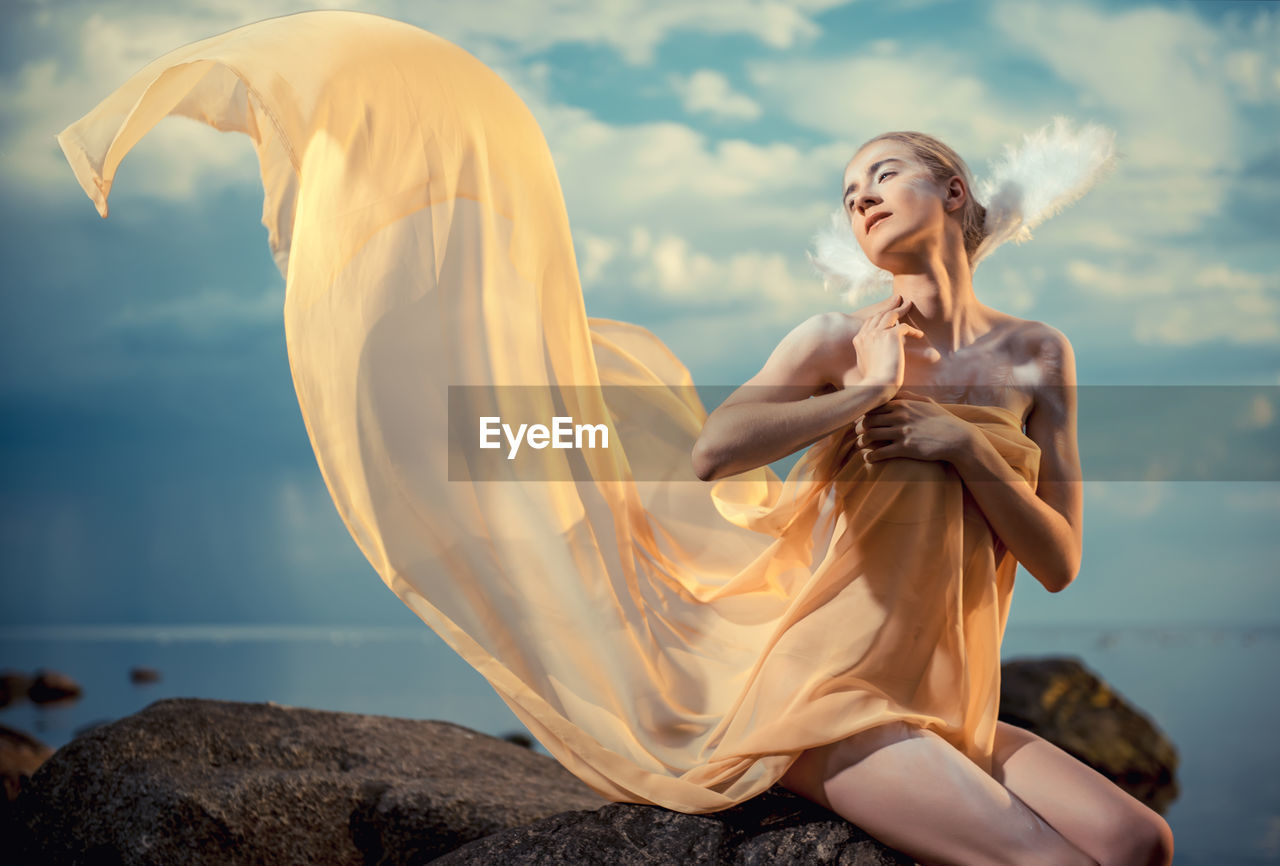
<point x="212" y="782"/>
<point x="52" y="686"/>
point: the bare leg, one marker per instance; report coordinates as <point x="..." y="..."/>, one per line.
<point x="1098" y="816"/>
<point x="917" y="793"/>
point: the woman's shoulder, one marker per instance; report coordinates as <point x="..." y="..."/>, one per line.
<point x="1043" y="354"/>
<point x="1037" y="339"/>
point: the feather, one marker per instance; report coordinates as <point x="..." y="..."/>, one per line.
<point x="1052" y="169"/>
<point x="844" y="266"/>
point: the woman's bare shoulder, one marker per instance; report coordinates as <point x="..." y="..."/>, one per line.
<point x="1038" y="340"/>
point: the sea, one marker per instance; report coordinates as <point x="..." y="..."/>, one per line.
<point x="1211" y="690"/>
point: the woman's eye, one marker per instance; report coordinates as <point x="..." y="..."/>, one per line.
<point x="851" y="203"/>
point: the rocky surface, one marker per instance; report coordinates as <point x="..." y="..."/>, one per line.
<point x="774" y="828"/>
<point x="202" y="782"/>
<point x="211" y="782"/>
<point x="1067" y="704"/>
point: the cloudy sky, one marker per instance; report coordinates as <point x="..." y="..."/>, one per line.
<point x="155" y="465"/>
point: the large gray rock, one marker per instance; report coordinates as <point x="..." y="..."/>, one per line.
<point x="210" y="782"/>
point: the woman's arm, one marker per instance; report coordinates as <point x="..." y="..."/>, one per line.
<point x="1043" y="530"/>
<point x="776" y="412"/>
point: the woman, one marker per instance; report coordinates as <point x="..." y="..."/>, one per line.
<point x="908" y="202"/>
<point x="667" y="643"/>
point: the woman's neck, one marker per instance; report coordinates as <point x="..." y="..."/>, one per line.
<point x="943" y="304"/>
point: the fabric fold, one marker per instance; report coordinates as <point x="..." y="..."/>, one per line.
<point x="669" y="641"/>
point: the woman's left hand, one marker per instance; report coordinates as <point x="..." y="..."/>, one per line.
<point x="912" y="426"/>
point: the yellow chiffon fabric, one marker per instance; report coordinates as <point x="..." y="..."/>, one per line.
<point x="669" y="641"/>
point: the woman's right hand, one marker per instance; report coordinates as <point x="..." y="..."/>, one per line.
<point x="879" y="346"/>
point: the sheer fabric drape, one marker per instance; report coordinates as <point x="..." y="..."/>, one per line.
<point x="669" y="641"/>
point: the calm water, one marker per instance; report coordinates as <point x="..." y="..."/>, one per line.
<point x="1211" y="690"/>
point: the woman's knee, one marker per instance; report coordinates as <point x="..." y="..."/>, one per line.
<point x="1138" y="837"/>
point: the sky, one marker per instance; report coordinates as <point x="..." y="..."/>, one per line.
<point x="155" y="468"/>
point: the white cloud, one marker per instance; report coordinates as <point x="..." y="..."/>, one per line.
<point x="1158" y="69"/>
<point x="596" y="251"/>
<point x="707" y="91"/>
<point x="1177" y="299"/>
<point x="729" y="194"/>
<point x="673" y="267"/>
<point x="928" y="88"/>
<point x="205" y="313"/>
<point x="1252" y="64"/>
<point x="1013" y="291"/>
<point x="634" y="28"/>
<point x="173" y="162"/>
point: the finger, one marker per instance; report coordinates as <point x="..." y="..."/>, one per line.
<point x="883" y="452"/>
<point x="879" y="317"/>
<point x="890" y="316"/>
<point x="877" y="422"/>
<point x="869" y="438"/>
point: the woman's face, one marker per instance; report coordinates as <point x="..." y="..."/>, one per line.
<point x="891" y="202"/>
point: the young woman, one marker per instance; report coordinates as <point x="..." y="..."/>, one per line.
<point x="881" y="371"/>
<point x="669" y="642"/>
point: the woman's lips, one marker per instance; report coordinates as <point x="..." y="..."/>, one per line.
<point x="876" y="219"/>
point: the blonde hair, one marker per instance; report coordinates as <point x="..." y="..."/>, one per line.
<point x="943" y="163"/>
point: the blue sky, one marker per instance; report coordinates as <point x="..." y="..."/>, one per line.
<point x="155" y="466"/>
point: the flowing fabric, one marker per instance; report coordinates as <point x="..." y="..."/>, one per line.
<point x="669" y="641"/>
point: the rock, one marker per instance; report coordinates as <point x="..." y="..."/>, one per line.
<point x="51" y="686"/>
<point x="143" y="675"/>
<point x="519" y="738"/>
<point x="214" y="782"/>
<point x="20" y="755"/>
<point x="777" y="827"/>
<point x="13" y="687"/>
<point x="1064" y="702"/>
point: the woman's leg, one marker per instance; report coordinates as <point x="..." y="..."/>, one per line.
<point x="915" y="792"/>
<point x="1098" y="816"/>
